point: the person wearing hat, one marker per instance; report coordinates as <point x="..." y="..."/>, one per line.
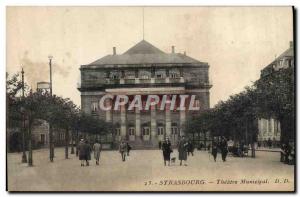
<point x="167" y="150"/>
<point x="97" y="149"/>
<point x="224" y="148"/>
<point x="123" y="149"/>
<point x="81" y="151"/>
<point x="214" y="149"/>
<point x="88" y="150"/>
<point x="182" y="150"/>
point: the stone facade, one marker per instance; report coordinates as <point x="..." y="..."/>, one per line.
<point x="144" y="70"/>
<point x="269" y="129"/>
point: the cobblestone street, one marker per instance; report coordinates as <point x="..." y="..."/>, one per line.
<point x="144" y="171"/>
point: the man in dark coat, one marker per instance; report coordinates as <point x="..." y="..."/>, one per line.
<point x="123" y="149"/>
<point x="190" y="148"/>
<point x="182" y="150"/>
<point x="224" y="148"/>
<point x="128" y="148"/>
<point x="214" y="148"/>
<point x="81" y="151"/>
<point x="88" y="150"/>
<point x="167" y="150"/>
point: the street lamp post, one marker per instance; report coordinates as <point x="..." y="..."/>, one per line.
<point x="24" y="157"/>
<point x="51" y="145"/>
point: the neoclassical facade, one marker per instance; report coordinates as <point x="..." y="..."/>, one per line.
<point x="144" y="70"/>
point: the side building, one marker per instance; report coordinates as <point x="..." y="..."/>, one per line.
<point x="269" y="127"/>
<point x="144" y="70"/>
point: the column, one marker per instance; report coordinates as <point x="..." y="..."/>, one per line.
<point x="182" y="119"/>
<point x="168" y="118"/>
<point x="153" y="124"/>
<point x="272" y="128"/>
<point x="137" y="123"/>
<point x="108" y="113"/>
<point x="123" y="122"/>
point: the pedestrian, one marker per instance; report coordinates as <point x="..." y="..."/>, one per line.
<point x="224" y="148"/>
<point x="182" y="150"/>
<point x="97" y="149"/>
<point x="190" y="148"/>
<point x="230" y="145"/>
<point x="241" y="148"/>
<point x="122" y="150"/>
<point x="159" y="145"/>
<point x="167" y="150"/>
<point x="128" y="148"/>
<point x="81" y="151"/>
<point x="214" y="148"/>
<point x="291" y="157"/>
<point x="269" y="143"/>
<point x="88" y="150"/>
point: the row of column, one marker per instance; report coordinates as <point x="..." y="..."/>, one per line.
<point x="153" y="122"/>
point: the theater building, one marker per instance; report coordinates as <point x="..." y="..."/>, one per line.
<point x="145" y="70"/>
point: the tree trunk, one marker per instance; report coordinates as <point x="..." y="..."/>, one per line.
<point x="204" y="140"/>
<point x="30" y="160"/>
<point x="67" y="143"/>
<point x="72" y="141"/>
<point x="76" y="142"/>
<point x="51" y="143"/>
<point x="193" y="137"/>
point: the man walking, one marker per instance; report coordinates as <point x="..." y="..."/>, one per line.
<point x="81" y="151"/>
<point x="87" y="150"/>
<point x="167" y="150"/>
<point x="97" y="149"/>
<point x="122" y="150"/>
<point x="128" y="147"/>
<point x="182" y="150"/>
<point x="214" y="148"/>
<point x="190" y="148"/>
<point x="224" y="148"/>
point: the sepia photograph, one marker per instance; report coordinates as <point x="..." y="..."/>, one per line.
<point x="150" y="99"/>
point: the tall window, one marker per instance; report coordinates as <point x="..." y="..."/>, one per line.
<point x="94" y="106"/>
<point x="197" y="103"/>
<point x="160" y="130"/>
<point x="118" y="131"/>
<point x="42" y="138"/>
<point x="144" y="74"/>
<point x="131" y="131"/>
<point x="61" y="136"/>
<point x="146" y="131"/>
<point x="174" y="130"/>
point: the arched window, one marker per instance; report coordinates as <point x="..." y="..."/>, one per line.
<point x="146" y="131"/>
<point x="160" y="130"/>
<point x="174" y="129"/>
<point x="118" y="131"/>
<point x="174" y="73"/>
<point x="144" y="74"/>
<point x="131" y="131"/>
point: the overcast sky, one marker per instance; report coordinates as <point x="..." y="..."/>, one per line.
<point x="237" y="42"/>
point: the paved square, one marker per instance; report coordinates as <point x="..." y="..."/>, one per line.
<point x="144" y="171"/>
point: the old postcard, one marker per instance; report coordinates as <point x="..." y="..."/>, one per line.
<point x="181" y="99"/>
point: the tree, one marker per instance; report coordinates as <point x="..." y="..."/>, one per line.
<point x="276" y="97"/>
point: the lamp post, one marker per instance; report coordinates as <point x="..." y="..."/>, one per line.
<point x="51" y="145"/>
<point x="24" y="157"/>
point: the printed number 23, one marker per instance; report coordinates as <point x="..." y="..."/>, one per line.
<point x="148" y="183"/>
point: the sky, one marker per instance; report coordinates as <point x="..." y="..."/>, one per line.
<point x="237" y="42"/>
